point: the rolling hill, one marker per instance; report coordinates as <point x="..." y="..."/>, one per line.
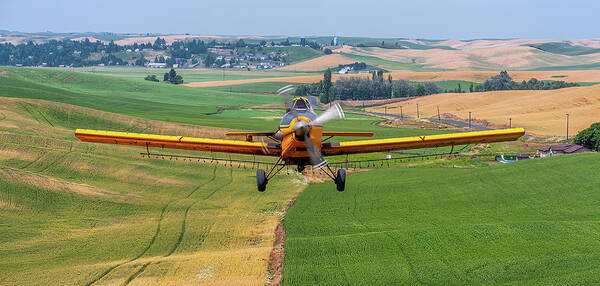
<point x="538" y="111"/>
<point x="81" y="214"/>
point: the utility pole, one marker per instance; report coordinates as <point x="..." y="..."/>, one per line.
<point x="385" y="112"/>
<point x="510" y="122"/>
<point x="469" y="119"/>
<point x="417" y="110"/>
<point x="401" y="113"/>
<point x="567" y="126"/>
<point x="439" y="118"/>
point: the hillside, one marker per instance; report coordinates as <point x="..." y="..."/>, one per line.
<point x="490" y="55"/>
<point x="320" y="63"/>
<point x="77" y="213"/>
<point x="530" y="222"/>
<point x="139" y="98"/>
<point x="538" y="111"/>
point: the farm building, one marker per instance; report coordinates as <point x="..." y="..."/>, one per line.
<point x="157" y="65"/>
<point x="564" y="148"/>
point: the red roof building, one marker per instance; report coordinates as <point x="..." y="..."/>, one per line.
<point x="564" y="148"/>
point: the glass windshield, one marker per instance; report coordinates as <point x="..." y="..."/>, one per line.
<point x="301" y="104"/>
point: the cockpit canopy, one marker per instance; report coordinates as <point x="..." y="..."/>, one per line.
<point x="300" y="103"/>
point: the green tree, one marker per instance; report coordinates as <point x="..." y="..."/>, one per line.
<point x="151" y="78"/>
<point x="327" y="51"/>
<point x="327" y="84"/>
<point x="166" y="77"/>
<point x="421" y="90"/>
<point x="590" y="137"/>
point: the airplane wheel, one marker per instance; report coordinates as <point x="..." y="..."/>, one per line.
<point x="340" y="180"/>
<point x="261" y="180"/>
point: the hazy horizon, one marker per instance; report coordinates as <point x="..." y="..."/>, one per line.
<point x="463" y="19"/>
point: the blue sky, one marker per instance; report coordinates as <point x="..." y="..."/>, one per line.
<point x="460" y="19"/>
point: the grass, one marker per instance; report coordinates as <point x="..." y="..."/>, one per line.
<point x="258" y="87"/>
<point x="450" y="85"/>
<point x="179" y="104"/>
<point x="593" y="66"/>
<point x="529" y="222"/>
<point x="563" y="48"/>
<point x="79" y="213"/>
<point x="125" y="96"/>
<point x="189" y="75"/>
<point x="387" y="64"/>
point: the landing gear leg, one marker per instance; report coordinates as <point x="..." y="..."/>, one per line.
<point x="340" y="180"/>
<point x="262" y="178"/>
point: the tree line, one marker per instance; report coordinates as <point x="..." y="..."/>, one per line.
<point x="360" y="88"/>
<point x="376" y="87"/>
<point x="504" y="81"/>
<point x="77" y="53"/>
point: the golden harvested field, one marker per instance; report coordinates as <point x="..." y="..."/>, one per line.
<point x="477" y="76"/>
<point x="169" y="39"/>
<point x="540" y="112"/>
<point x="320" y="63"/>
<point x="489" y="57"/>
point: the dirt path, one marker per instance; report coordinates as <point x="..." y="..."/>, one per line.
<point x="277" y="254"/>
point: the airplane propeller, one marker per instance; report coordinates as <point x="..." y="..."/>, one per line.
<point x="302" y="129"/>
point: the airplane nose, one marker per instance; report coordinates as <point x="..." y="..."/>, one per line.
<point x="301" y="128"/>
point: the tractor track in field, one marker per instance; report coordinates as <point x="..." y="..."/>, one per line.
<point x="54" y="162"/>
<point x="36" y="117"/>
<point x="34" y="161"/>
<point x="183" y="223"/>
<point x="110" y="269"/>
<point x="29" y="111"/>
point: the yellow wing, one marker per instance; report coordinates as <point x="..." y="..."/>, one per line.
<point x="428" y="141"/>
<point x="178" y="142"/>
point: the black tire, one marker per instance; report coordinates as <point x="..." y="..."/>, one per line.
<point x="340" y="180"/>
<point x="261" y="180"/>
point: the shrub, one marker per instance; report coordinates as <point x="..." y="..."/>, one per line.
<point x="590" y="137"/>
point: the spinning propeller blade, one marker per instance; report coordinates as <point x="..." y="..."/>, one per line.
<point x="335" y="112"/>
<point x="303" y="129"/>
<point x="315" y="157"/>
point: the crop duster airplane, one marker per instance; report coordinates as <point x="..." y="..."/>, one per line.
<point x="299" y="141"/>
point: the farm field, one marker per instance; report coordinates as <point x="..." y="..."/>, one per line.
<point x="189" y="75"/>
<point x="90" y="214"/>
<point x="591" y="76"/>
<point x="539" y="112"/>
<point x="82" y="213"/>
<point x="497" y="56"/>
<point x="530" y="222"/>
<point x="164" y="102"/>
<point x="319" y="64"/>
